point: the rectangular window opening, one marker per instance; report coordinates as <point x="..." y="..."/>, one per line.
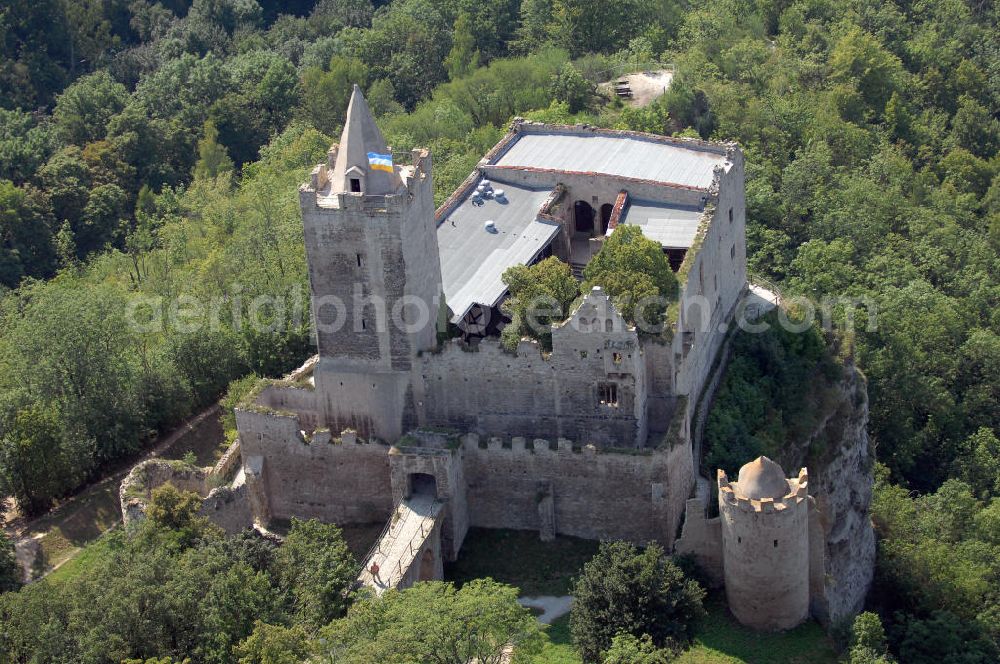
<point x="356" y="187"/>
<point x="361" y="261"/>
<point x="730" y="215"/>
<point x="608" y="394"/>
<point x="616" y="358"/>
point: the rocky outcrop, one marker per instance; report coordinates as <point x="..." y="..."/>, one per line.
<point x="840" y="464"/>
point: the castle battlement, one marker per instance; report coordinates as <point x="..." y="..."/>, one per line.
<point x="797" y="493"/>
<point x="428" y="440"/>
<point x="589" y="439"/>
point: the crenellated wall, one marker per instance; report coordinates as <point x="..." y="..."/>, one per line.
<point x="344" y="480"/>
<point x="595" y="494"/>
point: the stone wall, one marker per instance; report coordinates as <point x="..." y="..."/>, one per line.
<point x="137" y="488"/>
<point x="340" y="480"/>
<point x="595" y="494"/>
<point x="229" y="463"/>
<point x="493" y="392"/>
<point x="713" y="278"/>
<point x="702" y="540"/>
<point x="226" y="507"/>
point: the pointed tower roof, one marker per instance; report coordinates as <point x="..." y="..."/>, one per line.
<point x="360" y="136"/>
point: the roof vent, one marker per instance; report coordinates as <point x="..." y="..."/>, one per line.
<point x="498" y="194"/>
<point x="490" y="226"/>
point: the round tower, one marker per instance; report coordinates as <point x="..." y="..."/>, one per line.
<point x="765" y="545"/>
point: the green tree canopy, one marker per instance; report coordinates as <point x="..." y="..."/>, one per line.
<point x="10" y="570"/>
<point x="623" y="590"/>
<point x="540" y="295"/>
<point x="213" y="160"/>
<point x="434" y="622"/>
<point x="83" y="110"/>
<point x="635" y="272"/>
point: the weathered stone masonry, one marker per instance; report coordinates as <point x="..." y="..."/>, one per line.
<point x="592" y="439"/>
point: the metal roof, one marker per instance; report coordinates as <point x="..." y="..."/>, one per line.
<point x="623" y="156"/>
<point x="673" y="226"/>
<point x="473" y="258"/>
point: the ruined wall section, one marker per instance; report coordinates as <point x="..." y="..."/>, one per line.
<point x="713" y="277"/>
<point x="600" y="376"/>
<point x="595" y="494"/>
<point x="484" y="388"/>
<point x="343" y="480"/>
<point x="592" y="388"/>
<point x="226" y="507"/>
<point x="661" y="392"/>
<point x="229" y="508"/>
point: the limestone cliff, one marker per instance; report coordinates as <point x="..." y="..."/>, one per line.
<point x="840" y="469"/>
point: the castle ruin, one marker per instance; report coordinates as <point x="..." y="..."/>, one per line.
<point x="432" y="436"/>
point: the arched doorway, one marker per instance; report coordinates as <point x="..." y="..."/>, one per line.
<point x="426" y="566"/>
<point x="606" y="211"/>
<point x="583" y="216"/>
<point x="422" y="484"/>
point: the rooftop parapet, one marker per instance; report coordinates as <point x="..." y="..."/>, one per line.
<point x="796" y="493"/>
<point x="320" y="192"/>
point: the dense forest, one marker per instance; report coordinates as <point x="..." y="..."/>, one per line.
<point x="149" y="155"/>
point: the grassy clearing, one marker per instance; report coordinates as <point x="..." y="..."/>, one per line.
<point x="722" y="640"/>
<point x="63" y="534"/>
<point x="85" y="560"/>
<point x="520" y="559"/>
<point x="84" y="518"/>
<point x="558" y="647"/>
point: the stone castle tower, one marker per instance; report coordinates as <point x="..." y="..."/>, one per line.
<point x="765" y="545"/>
<point x="375" y="275"/>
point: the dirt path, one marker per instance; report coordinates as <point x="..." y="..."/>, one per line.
<point x="47" y="541"/>
<point x="44" y="543"/>
<point x="646" y="86"/>
<point x="552" y="607"/>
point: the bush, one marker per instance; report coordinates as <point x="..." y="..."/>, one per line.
<point x="627" y="591"/>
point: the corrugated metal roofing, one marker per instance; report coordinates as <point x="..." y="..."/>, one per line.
<point x="672" y="226"/>
<point x="473" y="259"/>
<point x="623" y="156"/>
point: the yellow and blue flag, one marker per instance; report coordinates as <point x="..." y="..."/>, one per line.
<point x="380" y="162"/>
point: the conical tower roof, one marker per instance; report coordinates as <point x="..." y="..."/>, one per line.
<point x="361" y="136"/>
